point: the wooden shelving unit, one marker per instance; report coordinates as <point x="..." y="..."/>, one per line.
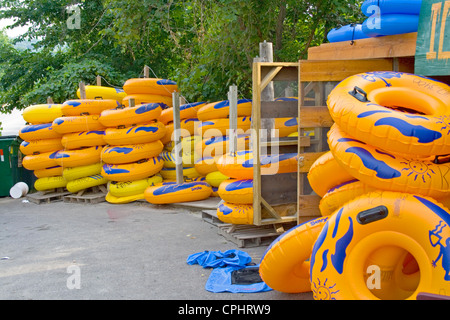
<point x="274" y="195"/>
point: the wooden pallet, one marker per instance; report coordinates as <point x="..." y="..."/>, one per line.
<point x="91" y="195"/>
<point x="246" y="235"/>
<point x="47" y="196"/>
<point x="210" y="216"/>
<point x="249" y="235"/>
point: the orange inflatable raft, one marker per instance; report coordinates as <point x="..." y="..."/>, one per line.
<point x="394" y="111"/>
<point x="153" y="86"/>
<point x="131" y="115"/>
<point x="40" y="146"/>
<point x="77" y="140"/>
<point x="221" y="109"/>
<point x="174" y="193"/>
<point x="285" y="264"/>
<point x="143" y="133"/>
<point x="132" y="171"/>
<point x="40" y="161"/>
<point x="402" y="235"/>
<point x="131" y="153"/>
<point x="87" y="107"/>
<point x="187" y="111"/>
<point x="240" y="165"/>
<point x="38" y="131"/>
<point x="65" y="125"/>
<point x="78" y="157"/>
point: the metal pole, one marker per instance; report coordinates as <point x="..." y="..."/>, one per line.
<point x="232" y="98"/>
<point x="177" y="137"/>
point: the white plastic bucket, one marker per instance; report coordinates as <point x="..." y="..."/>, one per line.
<point x="18" y="190"/>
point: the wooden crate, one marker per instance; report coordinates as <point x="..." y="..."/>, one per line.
<point x="275" y="196"/>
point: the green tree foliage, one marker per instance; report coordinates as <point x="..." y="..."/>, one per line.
<point x="204" y="45"/>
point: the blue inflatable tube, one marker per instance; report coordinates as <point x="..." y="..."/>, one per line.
<point x="346" y="33"/>
<point x="383" y="7"/>
<point x="390" y="24"/>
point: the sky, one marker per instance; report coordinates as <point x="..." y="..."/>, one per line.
<point x="11" y="123"/>
<point x="12" y="33"/>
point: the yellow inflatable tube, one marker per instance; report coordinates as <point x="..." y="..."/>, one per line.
<point x="139" y="99"/>
<point x="65" y="125"/>
<point x="285" y="264"/>
<point x="131" y="188"/>
<point x="221" y="109"/>
<point x="78" y="172"/>
<point x="48" y="183"/>
<point x="38" y="132"/>
<point x="216" y="178"/>
<point x="135" y="134"/>
<point x="174" y="193"/>
<point x="387" y="171"/>
<point x="171" y="173"/>
<point x="355" y="238"/>
<point x="218" y="146"/>
<point x="78" y="157"/>
<point x="132" y="171"/>
<point x="128" y="116"/>
<point x="187" y="111"/>
<point x="236" y="191"/>
<point x="101" y="92"/>
<point x="326" y="173"/>
<point x="220" y="127"/>
<point x="77" y="140"/>
<point x="394" y="111"/>
<point x="40" y="146"/>
<point x="42" y="113"/>
<point x="240" y="165"/>
<point x="235" y="213"/>
<point x="72" y="108"/>
<point x="131" y="153"/>
<point x="205" y="165"/>
<point x="85" y="182"/>
<point x="122" y="200"/>
<point x="40" y="161"/>
<point x="336" y="197"/>
<point x="48" y="172"/>
<point x="155" y="86"/>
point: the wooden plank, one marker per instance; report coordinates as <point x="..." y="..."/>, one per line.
<point x="279" y="188"/>
<point x="269" y="77"/>
<point x="403" y="45"/>
<point x="288" y="72"/>
<point x="210" y="216"/>
<point x="311" y="116"/>
<point x="279" y="109"/>
<point x="315" y="117"/>
<point x="249" y="236"/>
<point x="287" y="141"/>
<point x="308" y="205"/>
<point x="337" y="70"/>
<point x="306" y="160"/>
<point x="256" y="126"/>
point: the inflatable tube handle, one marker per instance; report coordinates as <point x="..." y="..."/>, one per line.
<point x="372" y="215"/>
<point x="359" y="94"/>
